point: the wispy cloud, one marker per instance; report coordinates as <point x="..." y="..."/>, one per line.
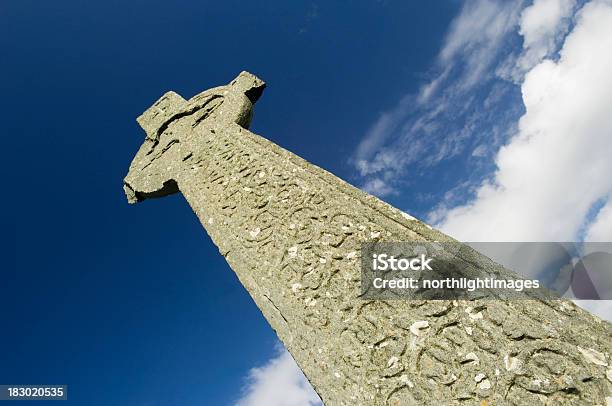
<point x="476" y="37"/>
<point x="439" y="121"/>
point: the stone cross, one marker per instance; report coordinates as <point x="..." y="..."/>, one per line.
<point x="292" y="232"/>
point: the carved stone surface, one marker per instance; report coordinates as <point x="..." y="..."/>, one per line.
<point x="292" y="232"/>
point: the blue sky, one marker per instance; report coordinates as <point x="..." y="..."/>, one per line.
<point x="430" y="105"/>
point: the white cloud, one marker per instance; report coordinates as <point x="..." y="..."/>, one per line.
<point x="541" y="25"/>
<point x="278" y="383"/>
<point x="558" y="165"/>
<point x="378" y="187"/>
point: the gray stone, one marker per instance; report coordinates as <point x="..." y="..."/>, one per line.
<point x="292" y="232"/>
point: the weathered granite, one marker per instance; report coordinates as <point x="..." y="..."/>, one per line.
<point x="292" y="231"/>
